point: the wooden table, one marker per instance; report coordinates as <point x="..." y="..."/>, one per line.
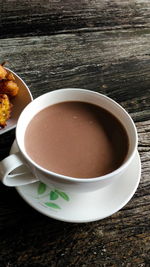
<point x="99" y="45"/>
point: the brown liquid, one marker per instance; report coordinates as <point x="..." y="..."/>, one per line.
<point x="76" y="139"/>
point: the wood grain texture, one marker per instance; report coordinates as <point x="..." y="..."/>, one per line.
<point x="99" y="45"/>
<point x="50" y="17"/>
<point x="86" y="60"/>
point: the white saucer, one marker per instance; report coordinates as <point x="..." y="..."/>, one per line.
<point x="86" y="207"/>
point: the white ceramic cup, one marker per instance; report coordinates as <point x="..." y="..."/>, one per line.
<point x="19" y="169"/>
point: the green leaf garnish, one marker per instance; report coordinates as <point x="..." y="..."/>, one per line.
<point x="52" y="205"/>
<point x="53" y="195"/>
<point x="41" y="188"/>
<point x="62" y="194"/>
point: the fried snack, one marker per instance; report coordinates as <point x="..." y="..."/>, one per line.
<point x="3" y="73"/>
<point x="5" y="110"/>
<point x="9" y="87"/>
<point x="10" y="76"/>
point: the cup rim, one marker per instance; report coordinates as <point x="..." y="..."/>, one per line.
<point x="75" y="179"/>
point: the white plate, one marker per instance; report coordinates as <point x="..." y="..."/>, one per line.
<point x="85" y="207"/>
<point x="19" y="102"/>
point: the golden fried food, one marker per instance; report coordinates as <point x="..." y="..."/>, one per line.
<point x="5" y="110"/>
<point x="9" y="87"/>
<point x="3" y="73"/>
<point x="10" y="76"/>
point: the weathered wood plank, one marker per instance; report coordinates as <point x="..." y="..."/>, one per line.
<point x="28" y="18"/>
<point x="117" y="64"/>
<point x="123" y="233"/>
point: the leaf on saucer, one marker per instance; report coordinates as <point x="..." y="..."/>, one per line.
<point x="53" y="195"/>
<point x="52" y="205"/>
<point x="41" y="188"/>
<point x="62" y="194"/>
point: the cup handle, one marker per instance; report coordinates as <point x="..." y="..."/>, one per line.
<point x="13" y="171"/>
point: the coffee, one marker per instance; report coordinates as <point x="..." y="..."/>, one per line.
<point x="76" y="139"/>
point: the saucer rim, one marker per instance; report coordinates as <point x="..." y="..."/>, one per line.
<point x="61" y="218"/>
